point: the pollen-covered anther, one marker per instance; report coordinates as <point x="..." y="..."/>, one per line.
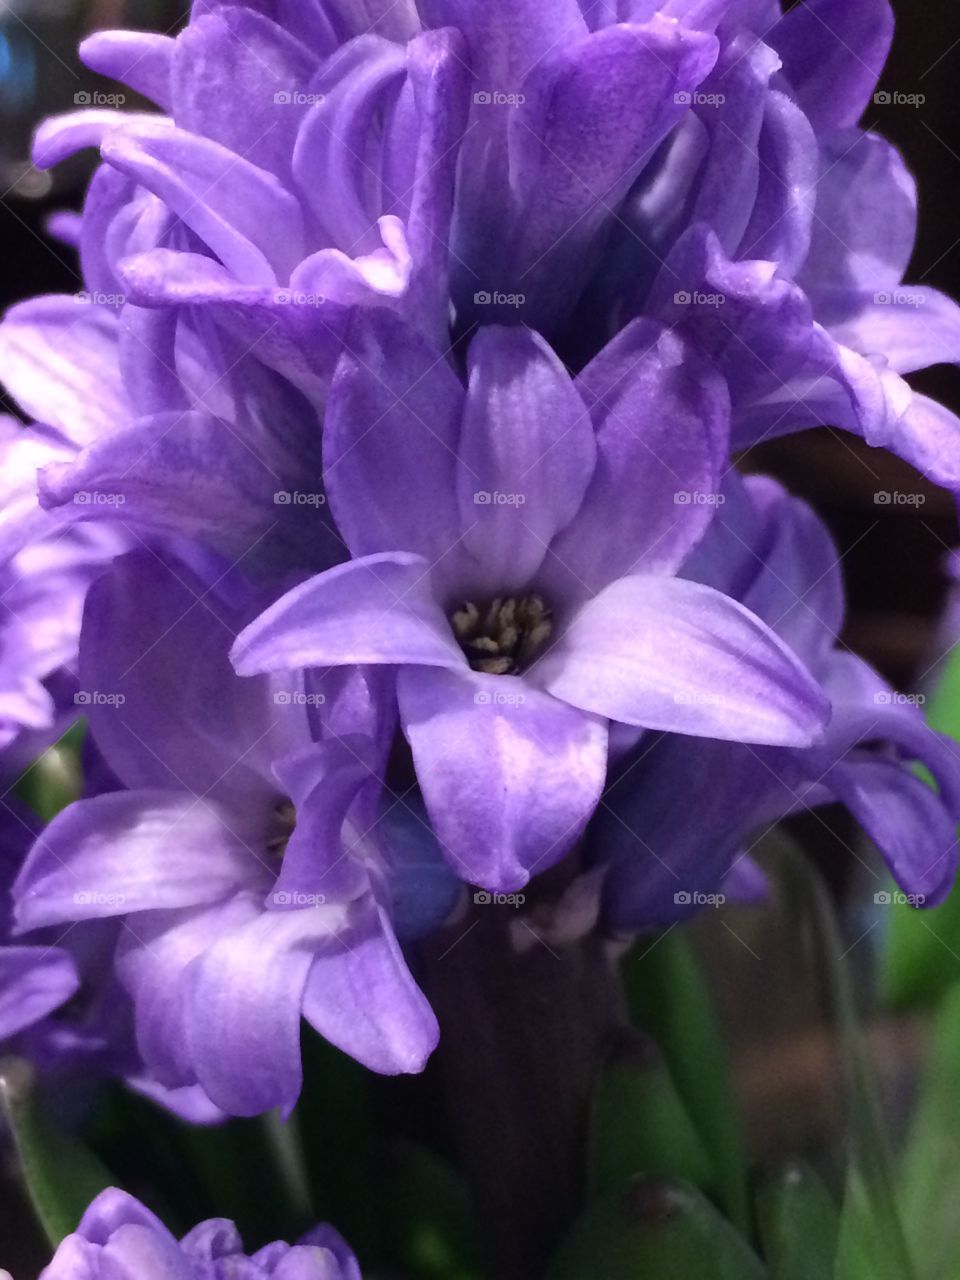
<point x="504" y="637"/>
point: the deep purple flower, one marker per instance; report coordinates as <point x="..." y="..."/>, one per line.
<point x="668" y="837"/>
<point x="237" y="850"/>
<point x="524" y="589"/>
<point x="120" y="1239"/>
<point x="777" y="234"/>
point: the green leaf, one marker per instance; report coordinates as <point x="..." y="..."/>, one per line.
<point x="638" y="1123"/>
<point x="798" y="1224"/>
<point x="654" y="1229"/>
<point x="669" y="998"/>
<point x="432" y="1215"/>
<point x="930" y="1166"/>
<point x="55" y="778"/>
<point x="61" y="1175"/>
<point x="872" y="1243"/>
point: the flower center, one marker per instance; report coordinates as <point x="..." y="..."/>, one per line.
<point x="284" y="820"/>
<point x="504" y="637"/>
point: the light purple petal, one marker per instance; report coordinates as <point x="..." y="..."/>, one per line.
<point x="236" y="55"/>
<point x="910" y="326"/>
<point x="130" y="851"/>
<point x="526" y="455"/>
<point x="58" y="359"/>
<point x="675" y="655"/>
<point x="239" y="210"/>
<point x="33" y="982"/>
<point x="361" y="997"/>
<point x="661" y="415"/>
<point x="243" y="1004"/>
<point x="509" y="775"/>
<point x="140" y="59"/>
<point x="378" y="609"/>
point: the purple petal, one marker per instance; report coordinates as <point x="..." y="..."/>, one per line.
<point x="240" y="211"/>
<point x="140" y="59"/>
<point x="731" y="172"/>
<point x="910" y="326"/>
<point x="865" y="225"/>
<point x="134" y="1252"/>
<point x="906" y="819"/>
<point x="675" y="655"/>
<point x="353" y="87"/>
<point x="243" y="1004"/>
<point x="361" y="997"/>
<point x="391" y="432"/>
<point x="113" y="1209"/>
<point x="130" y="851"/>
<point x="33" y="982"/>
<point x="783" y="212"/>
<point x="378" y="609"/>
<point x="161" y="723"/>
<point x="833" y="52"/>
<point x="236" y="55"/>
<point x="60" y="137"/>
<point x="58" y="359"/>
<point x="509" y="775"/>
<point x="526" y="455"/>
<point x="662" y="416"/>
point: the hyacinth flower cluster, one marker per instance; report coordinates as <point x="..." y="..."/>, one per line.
<point x="119" y="1238"/>
<point x="376" y="506"/>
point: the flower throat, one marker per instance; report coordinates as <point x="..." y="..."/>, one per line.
<point x="504" y="637"/>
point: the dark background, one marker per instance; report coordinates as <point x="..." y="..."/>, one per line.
<point x="893" y="558"/>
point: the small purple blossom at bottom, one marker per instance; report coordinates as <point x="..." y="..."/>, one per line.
<point x="119" y="1239"/>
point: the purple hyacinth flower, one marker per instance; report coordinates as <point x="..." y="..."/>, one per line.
<point x="526" y="594"/>
<point x="236" y="851"/>
<point x="669" y="835"/>
<point x="120" y="1239"/>
<point x="777" y="235"/>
